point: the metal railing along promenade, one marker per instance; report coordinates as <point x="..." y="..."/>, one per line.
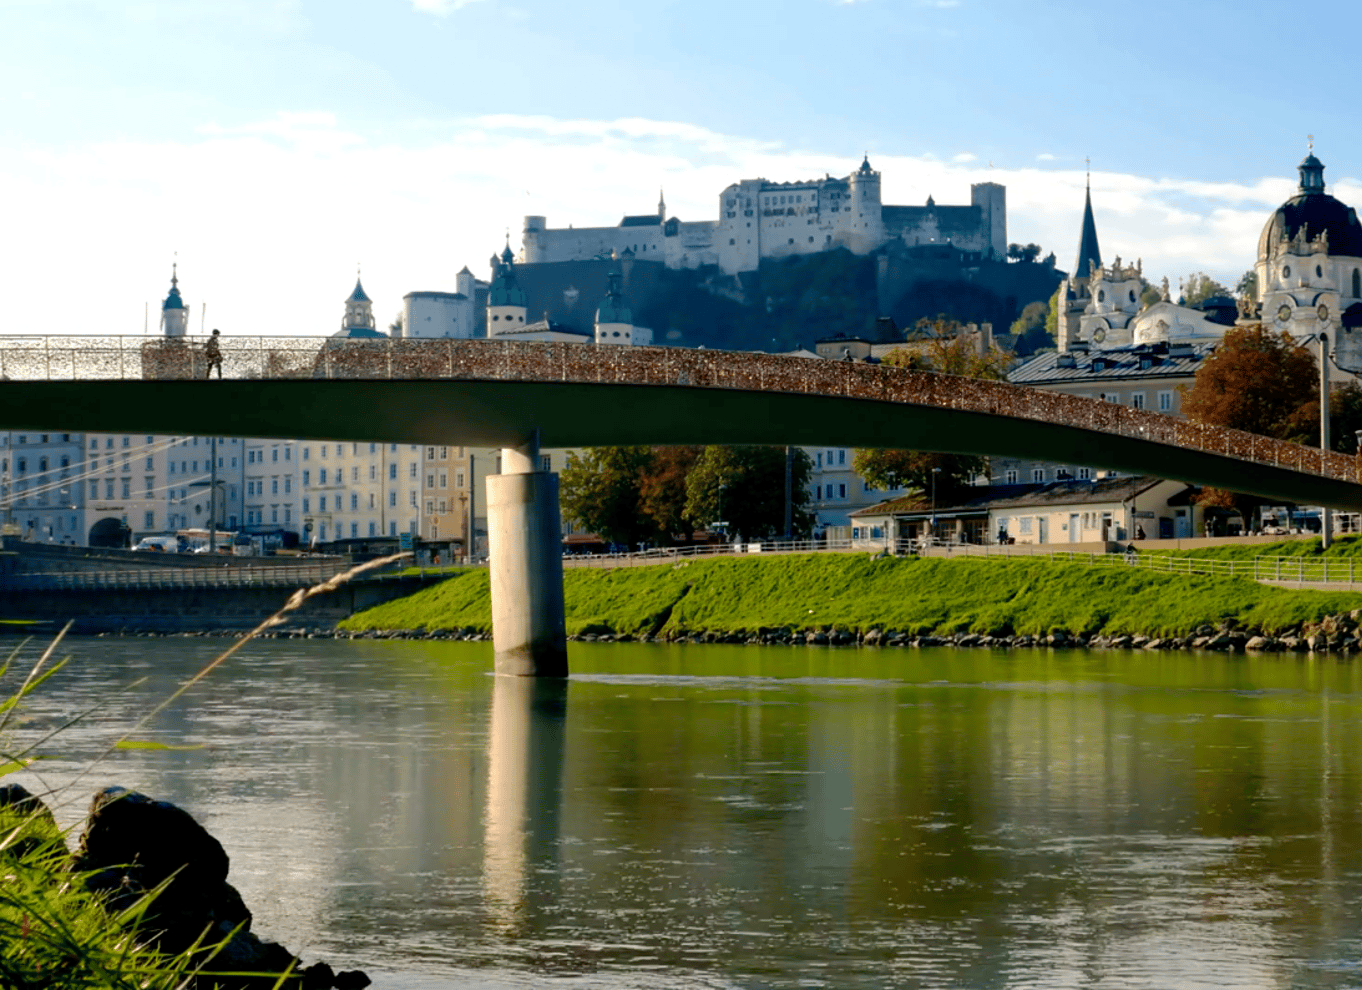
<point x="1293" y="569"/>
<point x="161" y="358"/>
<point x="176" y="578"/>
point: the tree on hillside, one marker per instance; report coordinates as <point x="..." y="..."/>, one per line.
<point x="1029" y="329"/>
<point x="1198" y="287"/>
<point x="1023" y="253"/>
<point x="745" y="487"/>
<point x="940" y="346"/>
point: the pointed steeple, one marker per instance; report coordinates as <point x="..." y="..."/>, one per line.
<point x="661" y="206"/>
<point x="1089" y="254"/>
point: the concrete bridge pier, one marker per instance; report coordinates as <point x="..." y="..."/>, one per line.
<point x="526" y="563"/>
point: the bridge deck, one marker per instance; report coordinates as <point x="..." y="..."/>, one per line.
<point x="492" y="392"/>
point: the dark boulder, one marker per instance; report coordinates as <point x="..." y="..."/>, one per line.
<point x="132" y="844"/>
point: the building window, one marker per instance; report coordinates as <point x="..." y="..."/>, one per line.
<point x="841" y="491"/>
<point x="412" y="469"/>
<point x="392" y="471"/>
<point x="354" y="530"/>
<point x="430" y="481"/>
<point x="1136" y="400"/>
<point x="392" y="500"/>
<point x="307" y="503"/>
<point x="1165" y="402"/>
<point x="321" y="503"/>
<point x="1084" y="474"/>
<point x="545" y="463"/>
<point x="1012" y="476"/>
<point x="354" y="501"/>
<point x="1038" y="474"/>
<point x="149" y="521"/>
<point x="321" y="476"/>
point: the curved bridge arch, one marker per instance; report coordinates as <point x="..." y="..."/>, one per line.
<point x="495" y="393"/>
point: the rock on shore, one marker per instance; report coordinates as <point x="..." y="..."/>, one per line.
<point x="133" y="844"/>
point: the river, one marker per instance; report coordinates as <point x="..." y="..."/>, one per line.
<point x="714" y="816"/>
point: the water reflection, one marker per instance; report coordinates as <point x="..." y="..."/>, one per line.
<point x="728" y="816"/>
<point x="524" y="799"/>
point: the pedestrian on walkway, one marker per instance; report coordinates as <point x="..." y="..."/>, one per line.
<point x="213" y="352"/>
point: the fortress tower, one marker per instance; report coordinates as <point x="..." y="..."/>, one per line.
<point x="866" y="229"/>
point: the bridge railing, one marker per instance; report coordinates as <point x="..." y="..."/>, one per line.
<point x="161" y="358"/>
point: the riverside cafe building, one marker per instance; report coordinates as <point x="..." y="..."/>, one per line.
<point x="1090" y="511"/>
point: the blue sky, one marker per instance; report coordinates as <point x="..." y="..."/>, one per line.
<point x="275" y="144"/>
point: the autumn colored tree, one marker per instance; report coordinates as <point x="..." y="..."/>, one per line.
<point x="1260" y="382"/>
<point x="662" y="490"/>
<point x="745" y="487"/>
<point x="1257" y="381"/>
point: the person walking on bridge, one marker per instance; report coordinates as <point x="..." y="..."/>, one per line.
<point x="213" y="352"/>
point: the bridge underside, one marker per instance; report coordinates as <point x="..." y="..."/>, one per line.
<point x="504" y="414"/>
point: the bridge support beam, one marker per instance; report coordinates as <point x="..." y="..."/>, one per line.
<point x="526" y="563"/>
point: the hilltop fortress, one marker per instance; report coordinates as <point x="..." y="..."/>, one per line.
<point x="761" y="220"/>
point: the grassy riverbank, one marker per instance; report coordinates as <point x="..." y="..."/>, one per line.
<point x="858" y="593"/>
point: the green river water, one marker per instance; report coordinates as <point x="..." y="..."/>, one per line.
<point x="715" y="816"/>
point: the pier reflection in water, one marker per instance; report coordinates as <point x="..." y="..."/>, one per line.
<point x="524" y="799"/>
<point x="735" y="817"/>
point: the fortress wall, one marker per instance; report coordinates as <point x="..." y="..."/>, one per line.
<point x="579" y="243"/>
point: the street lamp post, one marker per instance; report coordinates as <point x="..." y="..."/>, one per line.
<point x="935" y="472"/>
<point x="1324" y="428"/>
<point x="213" y="496"/>
<point x="464" y="522"/>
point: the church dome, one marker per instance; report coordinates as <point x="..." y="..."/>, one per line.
<point x="1316" y="212"/>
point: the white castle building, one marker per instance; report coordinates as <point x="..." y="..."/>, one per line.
<point x="761" y="220"/>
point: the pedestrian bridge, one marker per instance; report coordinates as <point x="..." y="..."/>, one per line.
<point x="518" y="395"/>
<point x="497" y="393"/>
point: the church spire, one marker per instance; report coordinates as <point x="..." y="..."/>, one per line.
<point x="661" y="207"/>
<point x="1089" y="254"/>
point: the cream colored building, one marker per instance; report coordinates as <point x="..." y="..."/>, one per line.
<point x="1097" y="511"/>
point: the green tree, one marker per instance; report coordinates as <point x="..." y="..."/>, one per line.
<point x="745" y="487"/>
<point x="1247" y="287"/>
<point x="600" y="491"/>
<point x="912" y="469"/>
<point x="1052" y="315"/>
<point x="1198" y="287"/>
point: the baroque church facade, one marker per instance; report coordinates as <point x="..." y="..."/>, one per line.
<point x="761" y="220"/>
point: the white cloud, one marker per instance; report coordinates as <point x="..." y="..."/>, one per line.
<point x="964" y="158"/>
<point x="440" y="7"/>
<point x="270" y="219"/>
<point x="1045" y="156"/>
